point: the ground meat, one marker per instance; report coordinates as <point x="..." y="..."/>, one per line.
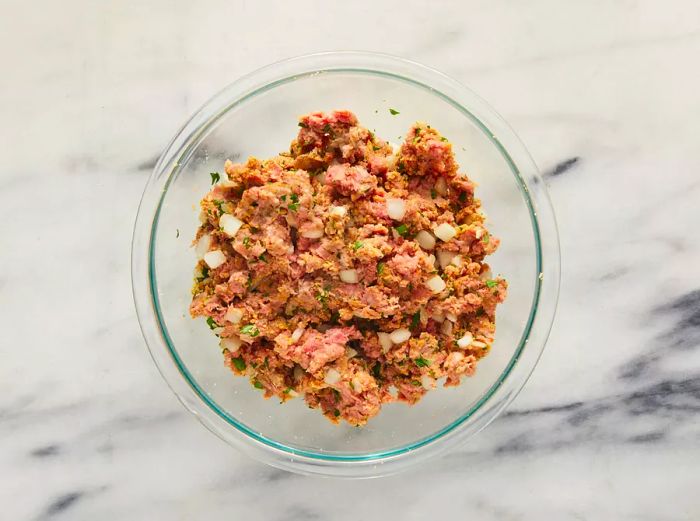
<point x="304" y="274"/>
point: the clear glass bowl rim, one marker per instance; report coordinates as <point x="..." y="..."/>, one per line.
<point x="501" y="393"/>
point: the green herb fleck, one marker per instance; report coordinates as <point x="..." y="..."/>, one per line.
<point x="433" y="193"/>
<point x="394" y="112"/>
<point x="215" y="177"/>
<point x="443" y="138"/>
<point x="402" y="230"/>
<point x="376" y="147"/>
<point x="283" y="198"/>
<point x="293" y="206"/>
<point x="485" y="239"/>
<point x="463" y="197"/>
<point x="294" y="198"/>
<point x="205" y="271"/>
<point x="491" y="283"/>
<point x="336" y="395"/>
<point x="262" y="257"/>
<point x="238" y="363"/>
<point x="377" y="370"/>
<point x="257" y="384"/>
<point x="422" y="362"/>
<point x="250" y="330"/>
<point x="336" y="412"/>
<point x="266" y="364"/>
<point x="211" y="323"/>
<point x="219" y="204"/>
<point x="327" y="128"/>
<point x="246" y="242"/>
<point x="416" y="383"/>
<point x="380" y="268"/>
<point x="287" y="390"/>
<point x="303" y="125"/>
<point x="415" y="320"/>
<point x="357" y="245"/>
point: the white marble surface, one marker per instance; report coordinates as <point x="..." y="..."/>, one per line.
<point x="607" y="428"/>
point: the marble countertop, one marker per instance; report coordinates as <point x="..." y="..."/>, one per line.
<point x="604" y="94"/>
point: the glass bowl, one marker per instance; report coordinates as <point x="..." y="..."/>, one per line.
<point x="257" y="116"/>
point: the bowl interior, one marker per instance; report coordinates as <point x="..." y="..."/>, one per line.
<point x="262" y="124"/>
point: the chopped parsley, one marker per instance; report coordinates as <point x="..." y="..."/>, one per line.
<point x="219" y="204"/>
<point x="215" y="177"/>
<point x="336" y="395"/>
<point x="246" y="242"/>
<point x="322" y="296"/>
<point x="491" y="283"/>
<point x="416" y="383"/>
<point x="287" y="390"/>
<point x="380" y="268"/>
<point x="262" y="257"/>
<point x="266" y="364"/>
<point x="327" y="129"/>
<point x="485" y="239"/>
<point x="283" y="198"/>
<point x="422" y="362"/>
<point x="443" y="138"/>
<point x="393" y="112"/>
<point x="402" y="230"/>
<point x="375" y="147"/>
<point x="336" y="412"/>
<point x="463" y="197"/>
<point x="303" y="125"/>
<point x="415" y="320"/>
<point x="433" y="193"/>
<point x="377" y="370"/>
<point x="238" y="363"/>
<point x="357" y="245"/>
<point x="211" y="323"/>
<point x="257" y="384"/>
<point x="250" y="330"/>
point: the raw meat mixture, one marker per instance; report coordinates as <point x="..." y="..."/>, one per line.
<point x="346" y="273"/>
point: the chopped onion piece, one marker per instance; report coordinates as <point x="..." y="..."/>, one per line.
<point x="445" y="231"/>
<point x="465" y="341"/>
<point x="332" y="377"/>
<point x="438" y="317"/>
<point x="230" y="224"/>
<point x="446" y="328"/>
<point x="451" y="316"/>
<point x="350" y="352"/>
<point x="313" y="234"/>
<point x="233" y="315"/>
<point x="457" y="261"/>
<point x="478" y="233"/>
<point x="321" y="178"/>
<point x="427" y="382"/>
<point x="396" y="208"/>
<point x="441" y="186"/>
<point x="233" y="343"/>
<point x="203" y="245"/>
<point x="297" y="334"/>
<point x="214" y="258"/>
<point x="477" y="343"/>
<point x="400" y="335"/>
<point x="436" y="284"/>
<point x="385" y="341"/>
<point x="425" y="240"/>
<point x="445" y="257"/>
<point x="349" y="276"/>
<point x="340" y="211"/>
<point x="292" y="393"/>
